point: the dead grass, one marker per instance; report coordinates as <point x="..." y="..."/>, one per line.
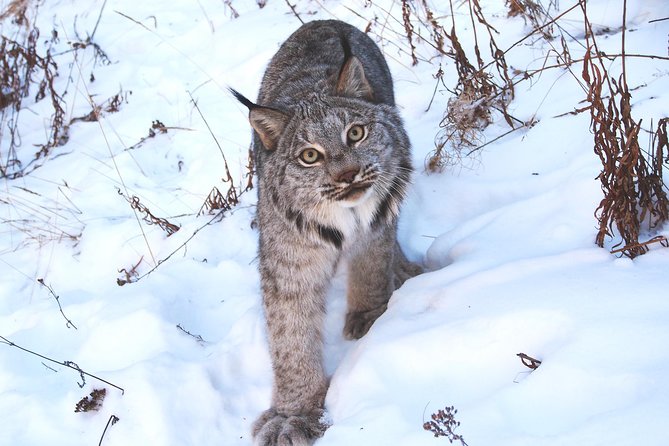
<point x="632" y="184"/>
<point x="21" y="68"/>
<point x="147" y="215"/>
<point x="479" y="92"/>
<point x="631" y="177"/>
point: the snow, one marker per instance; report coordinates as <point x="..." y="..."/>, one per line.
<point x="507" y="237"/>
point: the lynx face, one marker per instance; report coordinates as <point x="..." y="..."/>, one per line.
<point x="341" y="158"/>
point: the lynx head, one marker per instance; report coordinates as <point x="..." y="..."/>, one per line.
<point x="334" y="151"/>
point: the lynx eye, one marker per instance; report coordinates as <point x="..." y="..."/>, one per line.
<point x="355" y="134"/>
<point x="310" y="156"/>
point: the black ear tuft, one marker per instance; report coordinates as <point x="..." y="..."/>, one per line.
<point x="241" y="98"/>
<point x="268" y="122"/>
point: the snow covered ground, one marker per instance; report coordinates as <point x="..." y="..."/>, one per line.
<point x="508" y="238"/>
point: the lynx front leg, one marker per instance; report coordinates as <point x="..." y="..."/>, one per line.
<point x="294" y="310"/>
<point x="370" y="283"/>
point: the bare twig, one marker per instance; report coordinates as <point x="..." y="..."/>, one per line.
<point x="68" y="364"/>
<point x="529" y="361"/>
<point x="198" y="338"/>
<point x="69" y="323"/>
<point x="112" y="421"/>
<point x="95" y="28"/>
<point x="292" y="8"/>
<point x="149" y="218"/>
<point x="232" y="195"/>
<point x="130" y="275"/>
<point x="215" y="218"/>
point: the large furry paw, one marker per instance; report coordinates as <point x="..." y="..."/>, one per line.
<point x="358" y="323"/>
<point x="274" y="429"/>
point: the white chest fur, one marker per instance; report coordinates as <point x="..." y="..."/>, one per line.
<point x="351" y="219"/>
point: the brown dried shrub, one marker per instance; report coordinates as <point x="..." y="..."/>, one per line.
<point x="633" y="187"/>
<point x="476" y="95"/>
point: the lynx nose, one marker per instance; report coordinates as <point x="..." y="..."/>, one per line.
<point x="347" y="176"/>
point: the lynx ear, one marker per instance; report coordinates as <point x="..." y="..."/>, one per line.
<point x="352" y="81"/>
<point x="268" y="122"/>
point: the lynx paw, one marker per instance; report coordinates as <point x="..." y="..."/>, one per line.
<point x="274" y="429"/>
<point x="358" y="323"/>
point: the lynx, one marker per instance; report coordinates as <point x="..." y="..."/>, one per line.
<point x="333" y="164"/>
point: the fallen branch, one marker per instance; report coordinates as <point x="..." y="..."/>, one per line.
<point x="68" y="364"/>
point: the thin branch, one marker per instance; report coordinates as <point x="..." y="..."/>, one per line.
<point x="534" y="31"/>
<point x="183" y="245"/>
<point x="95" y="28"/>
<point x="225" y="161"/>
<point x="68" y="364"/>
<point x="112" y="421"/>
<point x="292" y="7"/>
<point x="69" y="323"/>
<point x="508" y="132"/>
<point x="622" y="45"/>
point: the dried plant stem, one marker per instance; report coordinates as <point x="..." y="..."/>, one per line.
<point x="69" y="323"/>
<point x="292" y="8"/>
<point x="443" y="424"/>
<point x="633" y="189"/>
<point x="215" y="218"/>
<point x="68" y="364"/>
<point x="116" y="167"/>
<point x="113" y="419"/>
<point x="232" y="194"/>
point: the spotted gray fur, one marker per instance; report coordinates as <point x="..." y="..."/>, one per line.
<point x="326" y="86"/>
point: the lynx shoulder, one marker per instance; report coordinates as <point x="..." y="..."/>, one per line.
<point x="333" y="163"/>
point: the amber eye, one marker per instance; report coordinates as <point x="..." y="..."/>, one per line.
<point x="310" y="156"/>
<point x="355" y="133"/>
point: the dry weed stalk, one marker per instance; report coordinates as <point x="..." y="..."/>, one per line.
<point x="25" y="68"/>
<point x="69" y="364"/>
<point x="20" y="67"/>
<point x="215" y="198"/>
<point x="16" y="10"/>
<point x="216" y="202"/>
<point x="68" y="322"/>
<point x="534" y="12"/>
<point x="148" y="217"/>
<point x="129" y="276"/>
<point x="633" y="188"/>
<point x="409" y="29"/>
<point x="476" y="94"/>
<point x="443" y="424"/>
<point x="113" y="419"/>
